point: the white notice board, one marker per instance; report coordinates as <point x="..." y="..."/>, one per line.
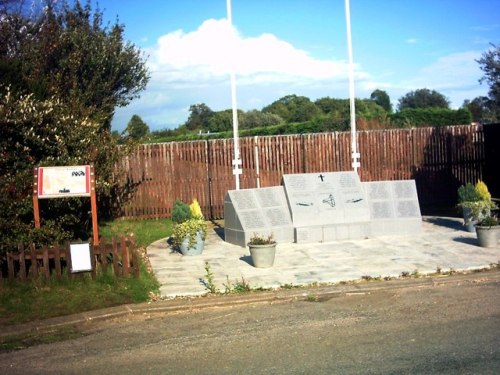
<point x="57" y="182"/>
<point x="80" y="257"/>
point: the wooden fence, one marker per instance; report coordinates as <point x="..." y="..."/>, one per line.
<point x="32" y="263"/>
<point x="439" y="159"/>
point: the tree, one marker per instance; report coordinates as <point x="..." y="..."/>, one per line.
<point x="293" y="108"/>
<point x="136" y="128"/>
<point x="199" y="117"/>
<point x="66" y="52"/>
<point x="382" y="99"/>
<point x="423" y="98"/>
<point x="256" y="119"/>
<point x="61" y="76"/>
<point x="490" y="65"/>
<point x="480" y="108"/>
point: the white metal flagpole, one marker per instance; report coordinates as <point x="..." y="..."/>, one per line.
<point x="354" y="149"/>
<point x="236" y="161"/>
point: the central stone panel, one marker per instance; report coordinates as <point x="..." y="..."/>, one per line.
<point x="327" y="206"/>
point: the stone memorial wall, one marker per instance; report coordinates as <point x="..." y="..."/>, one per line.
<point x="320" y="207"/>
<point x="327" y="206"/>
<point x="263" y="211"/>
<point x="394" y="207"/>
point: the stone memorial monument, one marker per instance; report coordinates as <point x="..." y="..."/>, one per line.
<point x="394" y="207"/>
<point x="263" y="211"/>
<point x="327" y="206"/>
<point x="320" y="207"/>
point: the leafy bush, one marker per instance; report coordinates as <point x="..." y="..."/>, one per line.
<point x="417" y="117"/>
<point x="181" y="212"/>
<point x="468" y="193"/>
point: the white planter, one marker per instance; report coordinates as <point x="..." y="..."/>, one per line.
<point x="488" y="236"/>
<point x="263" y="255"/>
<point x="196" y="249"/>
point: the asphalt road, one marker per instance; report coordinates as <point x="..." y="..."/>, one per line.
<point x="449" y="326"/>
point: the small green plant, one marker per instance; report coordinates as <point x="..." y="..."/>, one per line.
<point x="371" y="278"/>
<point x="416" y="274"/>
<point x="180" y="212"/>
<point x="209" y="280"/>
<point x="477" y="199"/>
<point x="239" y="286"/>
<point x="188" y="223"/>
<point x="468" y="193"/>
<point x="257" y="239"/>
<point x="488" y="221"/>
<point x="312" y="298"/>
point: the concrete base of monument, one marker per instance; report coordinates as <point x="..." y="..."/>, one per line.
<point x="241" y="237"/>
<point x="332" y="232"/>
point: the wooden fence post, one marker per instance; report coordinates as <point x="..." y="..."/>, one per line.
<point x="57" y="261"/>
<point x="22" y="263"/>
<point x="68" y="261"/>
<point x="10" y="266"/>
<point x="114" y="249"/>
<point x="33" y="273"/>
<point x="125" y="256"/>
<point x="46" y="265"/>
<point x="94" y="250"/>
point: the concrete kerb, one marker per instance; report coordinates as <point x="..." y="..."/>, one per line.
<point x="180" y="305"/>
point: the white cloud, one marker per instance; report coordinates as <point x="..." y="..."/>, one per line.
<point x="455" y="76"/>
<point x="411" y="41"/>
<point x="194" y="67"/>
<point x="211" y="51"/>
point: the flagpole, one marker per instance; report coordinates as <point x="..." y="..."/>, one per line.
<point x="354" y="149"/>
<point x="236" y="161"/>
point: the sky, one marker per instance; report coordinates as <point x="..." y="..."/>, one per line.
<point x="284" y="47"/>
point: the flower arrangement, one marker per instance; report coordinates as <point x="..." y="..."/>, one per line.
<point x="489" y="221"/>
<point x="257" y="239"/>
<point x="188" y="222"/>
<point x="477" y="199"/>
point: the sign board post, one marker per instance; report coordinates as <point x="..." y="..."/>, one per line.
<point x="64" y="182"/>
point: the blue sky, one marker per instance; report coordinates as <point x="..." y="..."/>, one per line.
<point x="285" y="47"/>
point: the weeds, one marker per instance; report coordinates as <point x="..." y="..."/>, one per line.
<point x="371" y="278"/>
<point x="289" y="286"/>
<point x="312" y="298"/>
<point x="238" y="287"/>
<point x="208" y="282"/>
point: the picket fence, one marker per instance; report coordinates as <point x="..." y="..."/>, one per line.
<point x="439" y="159"/>
<point x="30" y="263"/>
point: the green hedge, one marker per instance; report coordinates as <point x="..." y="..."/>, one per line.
<point x="421" y="117"/>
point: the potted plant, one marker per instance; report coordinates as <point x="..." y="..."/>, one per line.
<point x="190" y="229"/>
<point x="488" y="231"/>
<point x="262" y="250"/>
<point x="475" y="202"/>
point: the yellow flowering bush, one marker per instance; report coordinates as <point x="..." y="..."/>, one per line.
<point x="189" y="228"/>
<point x="196" y="210"/>
<point x="482" y="190"/>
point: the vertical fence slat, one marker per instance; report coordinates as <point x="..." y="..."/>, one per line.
<point x="125" y="256"/>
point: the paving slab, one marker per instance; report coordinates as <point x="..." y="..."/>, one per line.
<point x="443" y="243"/>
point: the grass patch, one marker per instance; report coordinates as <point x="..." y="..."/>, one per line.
<point x="41" y="299"/>
<point x="46" y="298"/>
<point x="144" y="231"/>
